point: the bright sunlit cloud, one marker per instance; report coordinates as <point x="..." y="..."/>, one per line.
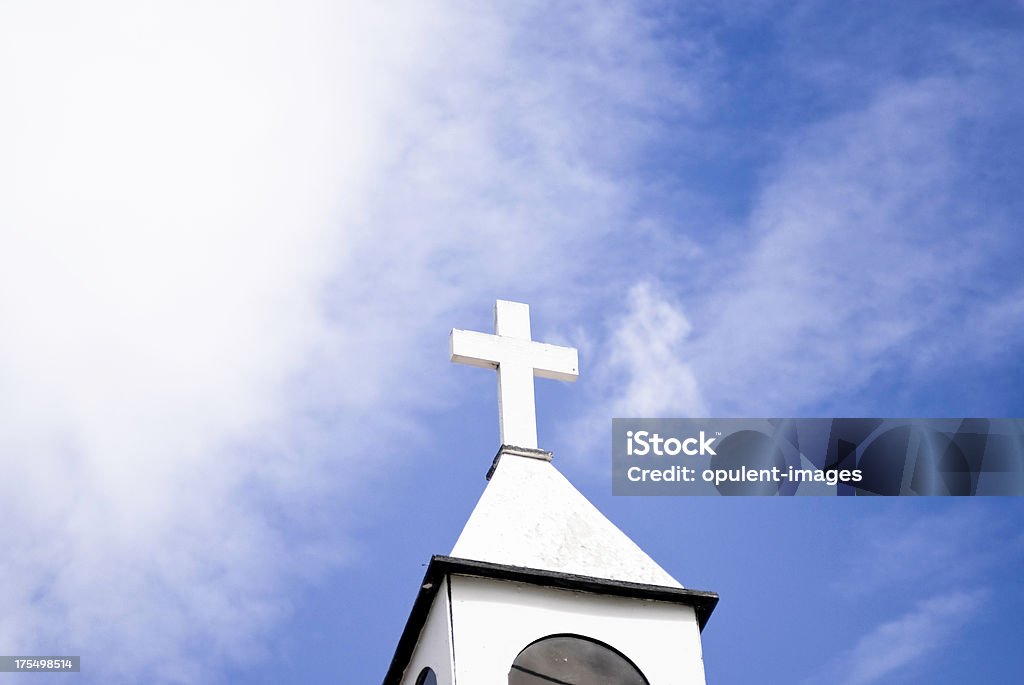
<point x="224" y="231"/>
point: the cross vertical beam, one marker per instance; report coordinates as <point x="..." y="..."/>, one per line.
<point x="517" y="359"/>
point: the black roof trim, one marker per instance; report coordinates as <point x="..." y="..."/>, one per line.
<point x="440" y="567"/>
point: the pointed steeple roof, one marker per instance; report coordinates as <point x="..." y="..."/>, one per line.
<point x="531" y="516"/>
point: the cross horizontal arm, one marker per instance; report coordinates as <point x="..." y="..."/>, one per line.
<point x="490" y="351"/>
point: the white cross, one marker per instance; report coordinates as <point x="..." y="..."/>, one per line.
<point x="518" y="359"/>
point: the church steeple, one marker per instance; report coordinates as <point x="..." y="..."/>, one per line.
<point x="530" y="515"/>
<point x="541" y="588"/>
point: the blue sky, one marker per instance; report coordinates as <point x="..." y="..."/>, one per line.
<point x="234" y="236"/>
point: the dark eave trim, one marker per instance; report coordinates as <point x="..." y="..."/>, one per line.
<point x="441" y="567"/>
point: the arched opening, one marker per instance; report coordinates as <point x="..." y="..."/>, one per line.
<point x="573" y="660"/>
<point x="426" y="677"/>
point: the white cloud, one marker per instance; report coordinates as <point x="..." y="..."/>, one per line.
<point x="918" y="563"/>
<point x="226" y="232"/>
<point x="898" y="644"/>
<point x="855" y="259"/>
<point x="850" y="260"/>
<point x="647" y="352"/>
<point x="880" y="242"/>
<point x="174" y="181"/>
<point x="641" y="369"/>
<point x="847" y="264"/>
<point x="899" y="552"/>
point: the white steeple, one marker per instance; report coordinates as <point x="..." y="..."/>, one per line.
<point x="541" y="587"/>
<point x="530" y="515"/>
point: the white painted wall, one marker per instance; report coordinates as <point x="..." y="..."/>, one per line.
<point x="434" y="648"/>
<point x="494" y="620"/>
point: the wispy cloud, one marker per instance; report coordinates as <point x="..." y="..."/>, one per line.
<point x="922" y="631"/>
<point x="642" y="368"/>
<point x="223" y="238"/>
<point x="920" y="564"/>
<point x="864" y="253"/>
<point x="648" y="346"/>
<point x="903" y="552"/>
<point x="855" y="248"/>
<point x="174" y="180"/>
